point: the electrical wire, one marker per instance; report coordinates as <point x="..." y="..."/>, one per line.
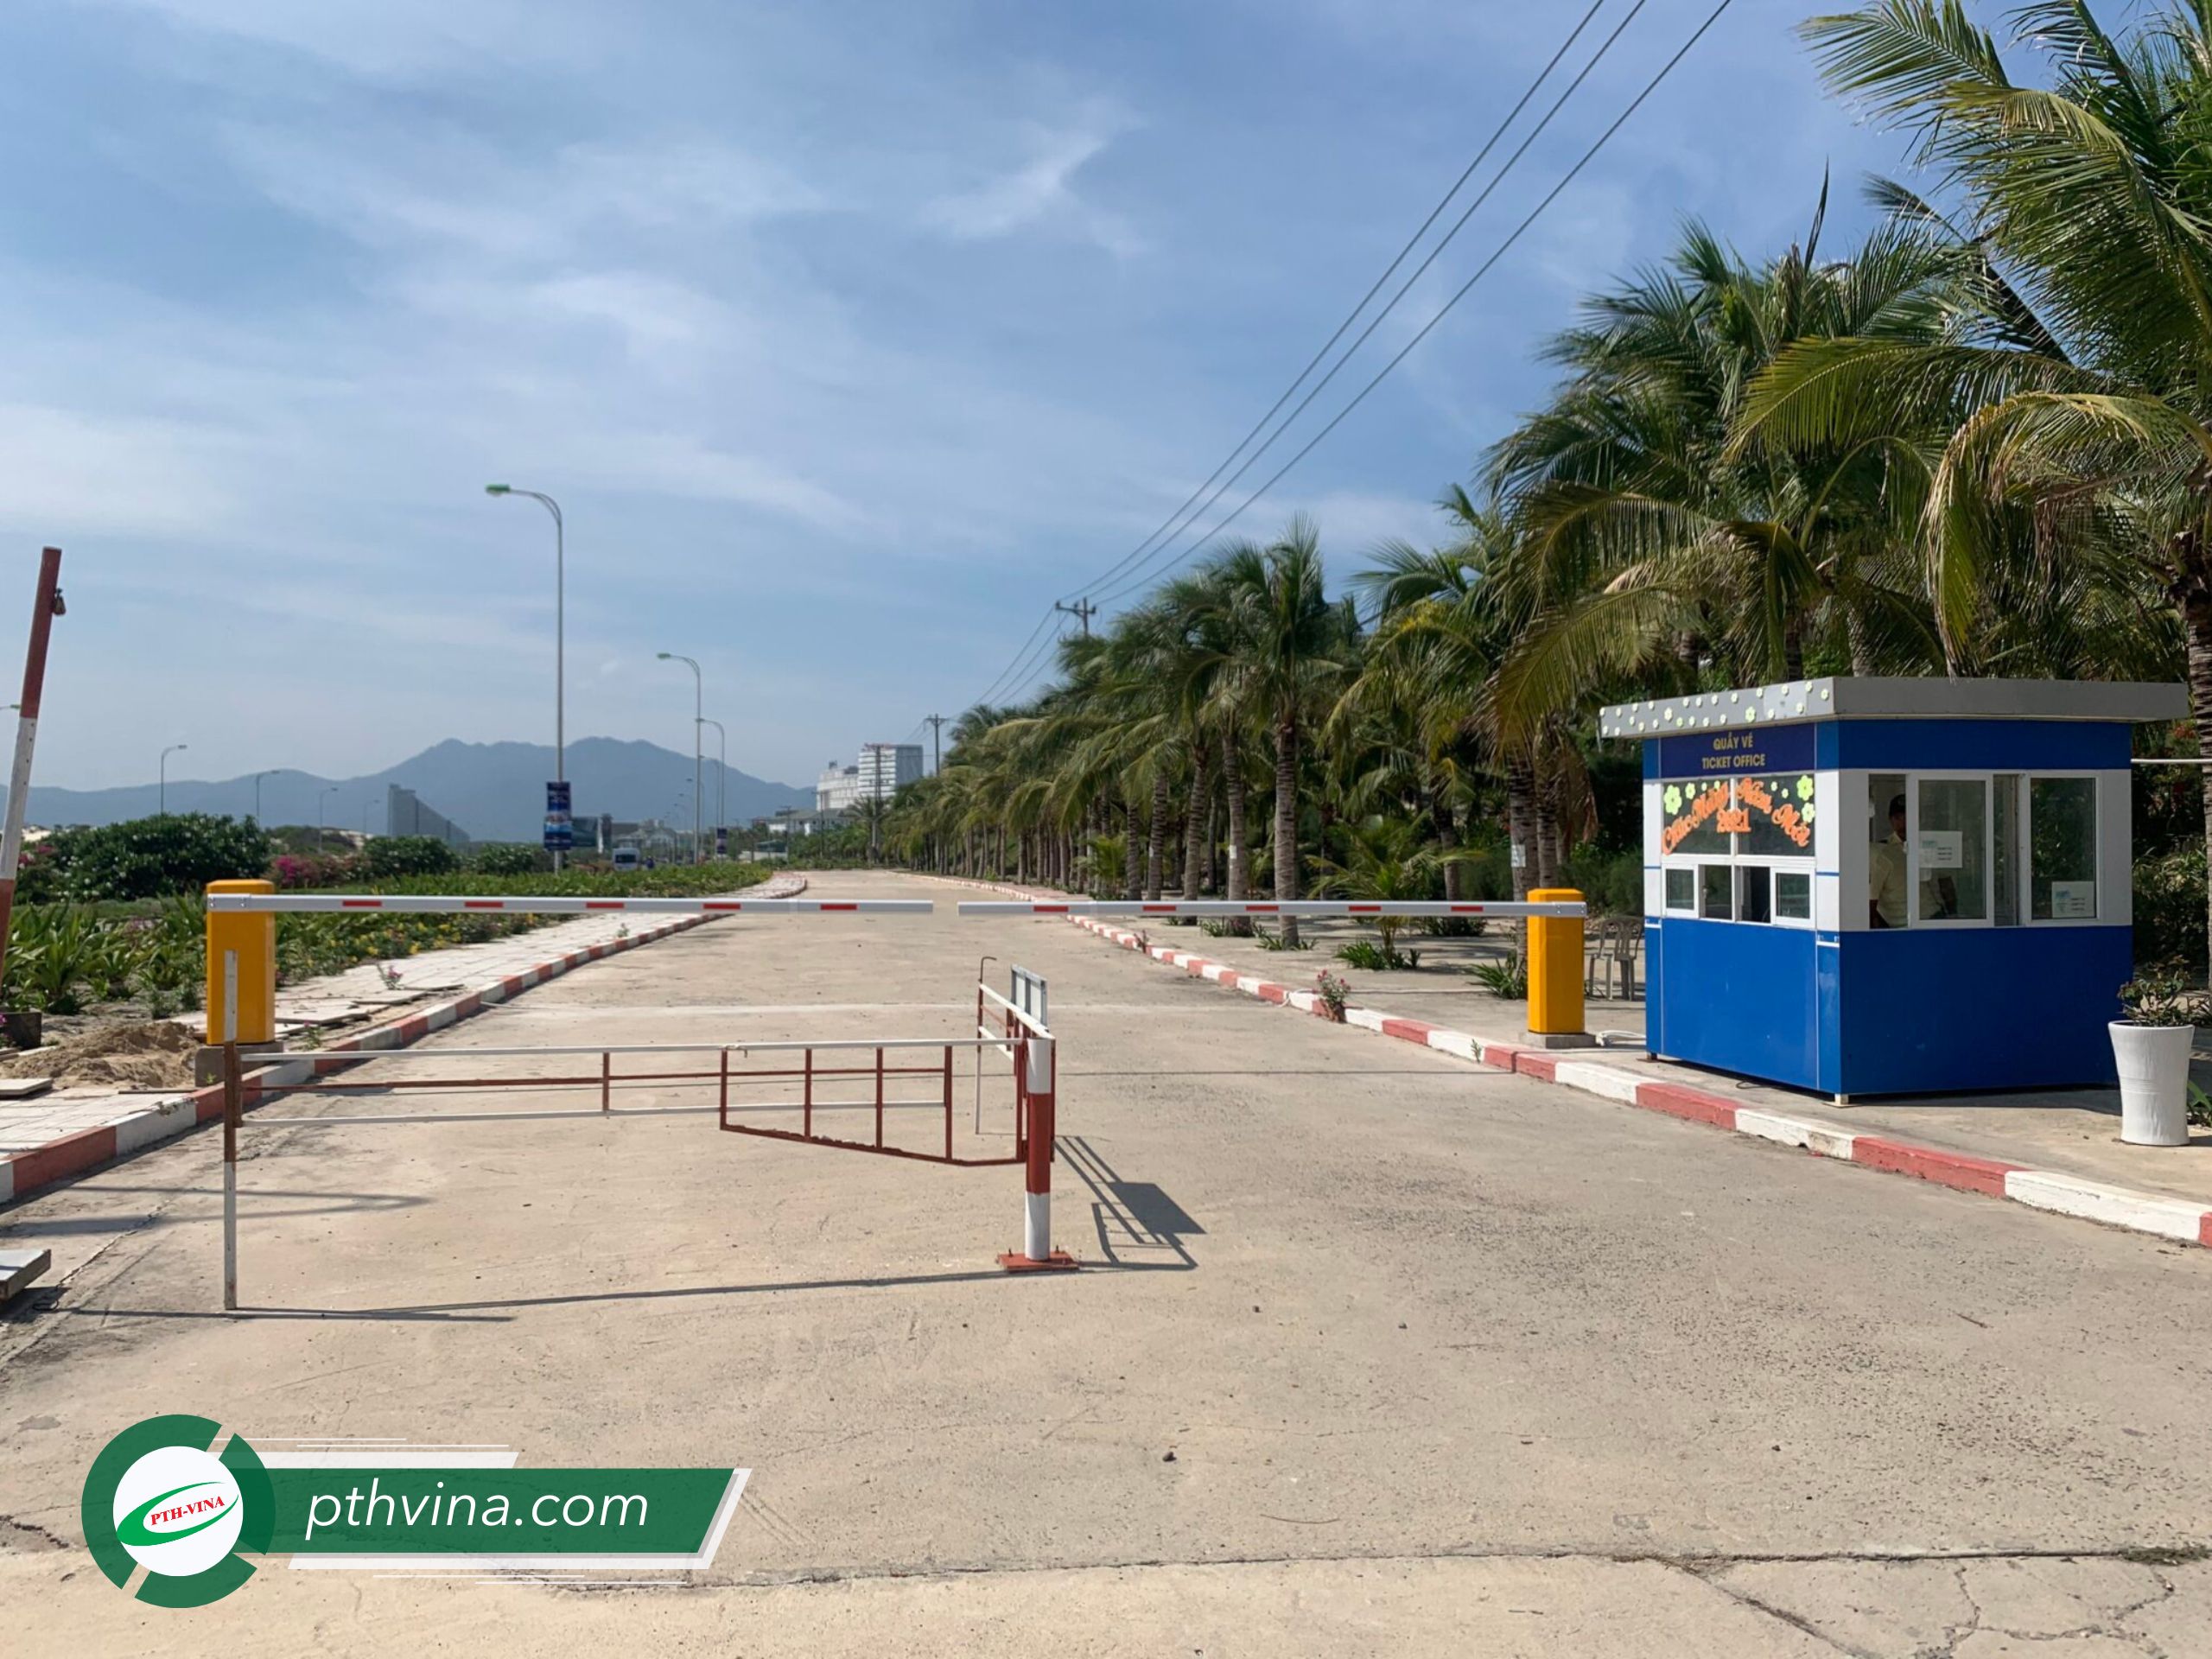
<point x="1176" y="523"/>
<point x="1481" y="272"/>
<point x="1170" y="528"/>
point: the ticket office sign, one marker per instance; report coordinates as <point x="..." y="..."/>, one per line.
<point x="1723" y="754"/>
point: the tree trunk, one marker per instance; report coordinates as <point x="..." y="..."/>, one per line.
<point x="1447" y="837"/>
<point x="1196" y="811"/>
<point x="1286" y="822"/>
<point x="1156" y="851"/>
<point x="1132" y="864"/>
<point x="1238" y="881"/>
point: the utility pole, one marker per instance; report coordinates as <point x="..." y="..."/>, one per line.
<point x="1082" y="610"/>
<point x="44" y="609"/>
<point x="937" y="743"/>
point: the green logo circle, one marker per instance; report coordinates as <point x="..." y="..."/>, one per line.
<point x="157" y="1497"/>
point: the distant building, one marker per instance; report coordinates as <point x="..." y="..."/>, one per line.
<point x="887" y="768"/>
<point x="405" y="815"/>
<point x="837" y="789"/>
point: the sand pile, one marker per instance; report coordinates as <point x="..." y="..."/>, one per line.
<point x="125" y="1053"/>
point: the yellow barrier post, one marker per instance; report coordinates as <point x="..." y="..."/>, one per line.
<point x="1555" y="973"/>
<point x="252" y="939"/>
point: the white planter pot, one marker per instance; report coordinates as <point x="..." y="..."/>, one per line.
<point x="2153" y="1062"/>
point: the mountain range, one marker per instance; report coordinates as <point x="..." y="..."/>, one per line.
<point x="494" y="791"/>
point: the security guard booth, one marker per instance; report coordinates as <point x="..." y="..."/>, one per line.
<point x="1880" y="887"/>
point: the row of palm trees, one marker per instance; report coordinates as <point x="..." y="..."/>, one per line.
<point x="1978" y="442"/>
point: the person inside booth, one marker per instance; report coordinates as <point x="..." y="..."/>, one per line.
<point x="1886" y="905"/>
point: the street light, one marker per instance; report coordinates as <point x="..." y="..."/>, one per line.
<point x="560" y="629"/>
<point x="322" y="813"/>
<point x="164" y="795"/>
<point x="257" y="777"/>
<point x="722" y="781"/>
<point x="367" y="807"/>
<point x="698" y="767"/>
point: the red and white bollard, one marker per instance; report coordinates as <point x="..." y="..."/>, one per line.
<point x="1038" y="1083"/>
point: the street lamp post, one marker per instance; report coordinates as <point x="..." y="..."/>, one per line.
<point x="257" y="777"/>
<point x="322" y="814"/>
<point x="722" y="781"/>
<point x="698" y="738"/>
<point x="163" y="795"/>
<point x="560" y="629"/>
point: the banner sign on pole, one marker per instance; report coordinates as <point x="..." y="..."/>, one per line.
<point x="560" y="829"/>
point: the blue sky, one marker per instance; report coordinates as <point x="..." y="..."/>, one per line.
<point x="848" y="336"/>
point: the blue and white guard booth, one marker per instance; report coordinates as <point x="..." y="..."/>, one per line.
<point x="1888" y="886"/>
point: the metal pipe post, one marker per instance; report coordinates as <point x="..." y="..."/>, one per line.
<point x="44" y="609"/>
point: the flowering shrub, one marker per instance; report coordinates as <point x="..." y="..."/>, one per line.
<point x="1335" y="994"/>
<point x="295" y="870"/>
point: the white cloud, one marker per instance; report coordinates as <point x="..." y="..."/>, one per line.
<point x="112" y="474"/>
<point x="1040" y="192"/>
<point x="394" y="38"/>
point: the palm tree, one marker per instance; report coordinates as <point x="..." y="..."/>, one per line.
<point x="1288" y="650"/>
<point x="1385" y="861"/>
<point x="1642" y="535"/>
<point x="2084" y="398"/>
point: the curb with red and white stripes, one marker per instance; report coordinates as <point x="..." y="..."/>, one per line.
<point x="2178" y="1219"/>
<point x="26" y="1173"/>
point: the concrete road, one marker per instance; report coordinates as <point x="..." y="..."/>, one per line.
<point x="1376" y="1353"/>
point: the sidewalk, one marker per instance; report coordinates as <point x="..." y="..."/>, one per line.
<point x="2057" y="1150"/>
<point x="57" y="1135"/>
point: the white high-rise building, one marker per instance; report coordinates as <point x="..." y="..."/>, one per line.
<point x="837" y="788"/>
<point x="887" y="768"/>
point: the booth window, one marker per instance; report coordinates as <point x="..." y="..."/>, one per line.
<point x="1751" y="839"/>
<point x="1716" y="892"/>
<point x="2062" y="856"/>
<point x="1793" y="895"/>
<point x="1754" y="892"/>
<point x="2003" y="850"/>
<point x="1952" y="841"/>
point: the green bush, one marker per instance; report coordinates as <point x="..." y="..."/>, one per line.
<point x="2170" y="908"/>
<point x="387" y="857"/>
<point x="1376" y="958"/>
<point x="1612" y="883"/>
<point x="146" y="858"/>
<point x="508" y="858"/>
<point x="1508" y="978"/>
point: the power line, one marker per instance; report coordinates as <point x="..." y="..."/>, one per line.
<point x="1175" y="522"/>
<point x="1504" y="247"/>
<point x="1169" y="529"/>
<point x="1138" y="576"/>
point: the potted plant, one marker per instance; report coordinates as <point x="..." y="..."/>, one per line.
<point x="2151" y="1043"/>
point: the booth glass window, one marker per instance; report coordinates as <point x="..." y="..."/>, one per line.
<point x="1776" y="817"/>
<point x="1754" y="892"/>
<point x="1716" y="892"/>
<point x="1698" y="816"/>
<point x="2062" y="853"/>
<point x="1888" y="904"/>
<point x="1793" y="895"/>
<point x="1735" y="839"/>
<point x="1951" y="840"/>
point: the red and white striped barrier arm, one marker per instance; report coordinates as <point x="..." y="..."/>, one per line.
<point x="1304" y="909"/>
<point x="319" y="903"/>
